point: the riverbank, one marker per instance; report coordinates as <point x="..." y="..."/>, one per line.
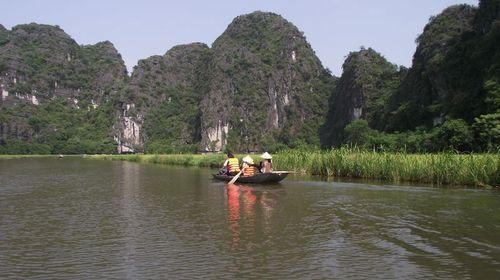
<point x="27" y="156"/>
<point x="479" y="170"/>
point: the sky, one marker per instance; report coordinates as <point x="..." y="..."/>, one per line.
<point x="140" y="29"/>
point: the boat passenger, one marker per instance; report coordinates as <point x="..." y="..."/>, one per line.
<point x="231" y="166"/>
<point x="266" y="166"/>
<point x="248" y="167"/>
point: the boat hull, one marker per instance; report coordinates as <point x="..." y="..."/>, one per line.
<point x="259" y="178"/>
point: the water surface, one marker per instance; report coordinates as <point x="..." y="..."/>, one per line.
<point x="88" y="219"/>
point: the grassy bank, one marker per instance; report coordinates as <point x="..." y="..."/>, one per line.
<point x="208" y="160"/>
<point x="26" y="156"/>
<point x="441" y="169"/>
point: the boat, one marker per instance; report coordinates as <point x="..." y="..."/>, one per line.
<point x="258" y="178"/>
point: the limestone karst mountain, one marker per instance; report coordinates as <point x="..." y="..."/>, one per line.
<point x="260" y="86"/>
<point x="265" y="84"/>
<point x="366" y="83"/>
<point x="165" y="95"/>
<point x="56" y="93"/>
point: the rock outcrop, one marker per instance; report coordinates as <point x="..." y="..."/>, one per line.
<point x="259" y="86"/>
<point x="42" y="67"/>
<point x="453" y="78"/>
<point x="367" y="80"/>
<point x="421" y="98"/>
<point x="166" y="92"/>
<point x="265" y="83"/>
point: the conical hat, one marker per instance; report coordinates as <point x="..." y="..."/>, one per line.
<point x="266" y="155"/>
<point x="248" y="160"/>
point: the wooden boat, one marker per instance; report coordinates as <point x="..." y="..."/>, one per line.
<point x="259" y="178"/>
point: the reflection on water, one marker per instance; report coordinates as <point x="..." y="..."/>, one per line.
<point x="83" y="219"/>
<point x="128" y="205"/>
<point x="233" y="201"/>
<point x="243" y="202"/>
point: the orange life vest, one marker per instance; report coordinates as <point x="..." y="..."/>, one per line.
<point x="233" y="165"/>
<point x="249" y="171"/>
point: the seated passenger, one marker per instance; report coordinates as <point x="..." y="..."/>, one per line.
<point x="266" y="166"/>
<point x="248" y="167"/>
<point x="231" y="165"/>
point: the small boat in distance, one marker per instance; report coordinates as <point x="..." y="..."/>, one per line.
<point x="258" y="178"/>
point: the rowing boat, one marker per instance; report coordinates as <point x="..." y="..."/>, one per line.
<point x="258" y="178"/>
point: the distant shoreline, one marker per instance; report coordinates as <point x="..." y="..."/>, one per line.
<point x="476" y="170"/>
<point x="473" y="170"/>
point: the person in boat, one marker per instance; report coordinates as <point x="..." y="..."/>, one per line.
<point x="248" y="167"/>
<point x="231" y="166"/>
<point x="266" y="165"/>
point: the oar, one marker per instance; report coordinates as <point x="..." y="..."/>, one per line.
<point x="235" y="178"/>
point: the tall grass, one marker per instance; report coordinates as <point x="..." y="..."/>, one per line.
<point x="208" y="160"/>
<point x="26" y="156"/>
<point x="440" y="169"/>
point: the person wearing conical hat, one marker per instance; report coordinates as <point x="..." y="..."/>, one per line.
<point x="266" y="166"/>
<point x="248" y="167"/>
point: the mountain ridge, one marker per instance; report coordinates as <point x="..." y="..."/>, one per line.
<point x="259" y="86"/>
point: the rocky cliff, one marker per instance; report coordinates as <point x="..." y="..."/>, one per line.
<point x="166" y="92"/>
<point x="265" y="85"/>
<point x="367" y="81"/>
<point x="449" y="98"/>
<point x="259" y="86"/>
<point x="43" y="70"/>
<point x="421" y="98"/>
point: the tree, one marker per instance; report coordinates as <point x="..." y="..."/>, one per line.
<point x="455" y="135"/>
<point x="358" y="133"/>
<point x="487" y="131"/>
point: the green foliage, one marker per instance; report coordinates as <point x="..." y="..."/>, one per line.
<point x="263" y="69"/>
<point x="166" y="147"/>
<point x="58" y="128"/>
<point x="440" y="168"/>
<point x="454" y="77"/>
<point x="487" y="132"/>
<point x="365" y="85"/>
<point x="454" y="135"/>
<point x="176" y="120"/>
<point x="358" y="133"/>
<point x="208" y="160"/>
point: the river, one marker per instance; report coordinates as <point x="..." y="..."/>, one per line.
<point x="88" y="219"/>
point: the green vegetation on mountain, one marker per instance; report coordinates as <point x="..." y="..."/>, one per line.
<point x="171" y="87"/>
<point x="440" y="168"/>
<point x="448" y="100"/>
<point x="57" y="96"/>
<point x="260" y="86"/>
<point x="266" y="86"/>
<point x="362" y="91"/>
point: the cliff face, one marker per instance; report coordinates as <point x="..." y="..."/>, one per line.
<point x="454" y="78"/>
<point x="265" y="83"/>
<point x="367" y="80"/>
<point x="421" y="98"/>
<point x="43" y="61"/>
<point x="259" y="83"/>
<point x="259" y="86"/>
<point x="41" y="69"/>
<point x="166" y="92"/>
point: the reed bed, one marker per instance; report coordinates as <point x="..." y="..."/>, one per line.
<point x="206" y="160"/>
<point x="26" y="156"/>
<point x="440" y="169"/>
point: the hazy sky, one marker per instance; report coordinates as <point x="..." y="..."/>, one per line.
<point x="139" y="29"/>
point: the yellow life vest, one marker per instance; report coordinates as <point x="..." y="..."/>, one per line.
<point x="233" y="165"/>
